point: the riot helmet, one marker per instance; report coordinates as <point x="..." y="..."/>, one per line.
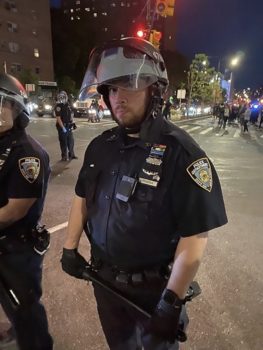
<point x="62" y="97"/>
<point x="13" y="99"/>
<point x="128" y="63"/>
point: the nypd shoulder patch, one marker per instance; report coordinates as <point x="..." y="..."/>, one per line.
<point x="200" y="171"/>
<point x="30" y="168"/>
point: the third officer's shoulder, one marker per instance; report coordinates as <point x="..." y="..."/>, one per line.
<point x="28" y="146"/>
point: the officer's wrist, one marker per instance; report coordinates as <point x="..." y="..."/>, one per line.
<point x="70" y="252"/>
<point x="170" y="300"/>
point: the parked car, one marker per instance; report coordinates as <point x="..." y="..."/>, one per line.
<point x="45" y="106"/>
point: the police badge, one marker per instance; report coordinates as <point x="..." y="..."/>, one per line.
<point x="200" y="172"/>
<point x="30" y="168"/>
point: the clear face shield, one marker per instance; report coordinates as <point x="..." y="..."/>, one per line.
<point x="9" y="110"/>
<point x="122" y="67"/>
<point x="62" y="98"/>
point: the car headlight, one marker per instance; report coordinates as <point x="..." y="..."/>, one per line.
<point x="47" y="107"/>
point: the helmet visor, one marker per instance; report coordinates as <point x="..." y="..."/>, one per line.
<point x="6" y="113"/>
<point x="122" y="67"/>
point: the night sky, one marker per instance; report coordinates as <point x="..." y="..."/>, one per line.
<point x="221" y="28"/>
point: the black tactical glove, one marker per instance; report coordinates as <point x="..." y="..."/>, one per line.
<point x="73" y="263"/>
<point x="164" y="322"/>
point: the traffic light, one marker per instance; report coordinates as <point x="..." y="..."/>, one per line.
<point x="165" y="7"/>
<point x="141" y="33"/>
<point x="155" y="38"/>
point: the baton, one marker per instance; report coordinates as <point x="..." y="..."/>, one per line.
<point x="193" y="291"/>
<point x="8" y="294"/>
<point x="90" y="275"/>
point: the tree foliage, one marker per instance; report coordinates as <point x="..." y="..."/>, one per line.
<point x="203" y="81"/>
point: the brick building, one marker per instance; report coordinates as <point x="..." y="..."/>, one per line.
<point x="25" y="38"/>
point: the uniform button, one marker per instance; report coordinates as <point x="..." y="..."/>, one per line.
<point x="113" y="172"/>
<point x="107" y="197"/>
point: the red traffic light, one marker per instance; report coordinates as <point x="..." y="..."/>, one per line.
<point x="140" y="33"/>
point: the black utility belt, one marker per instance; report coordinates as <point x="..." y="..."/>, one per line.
<point x="144" y="275"/>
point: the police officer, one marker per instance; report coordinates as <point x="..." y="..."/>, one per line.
<point x="65" y="125"/>
<point x="24" y="173"/>
<point x="146" y="196"/>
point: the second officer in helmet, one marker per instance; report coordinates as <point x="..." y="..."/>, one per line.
<point x="65" y="125"/>
<point x="24" y="173"/>
<point x="146" y="196"/>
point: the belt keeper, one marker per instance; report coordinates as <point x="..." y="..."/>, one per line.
<point x="137" y="278"/>
<point x="122" y="277"/>
<point x="152" y="275"/>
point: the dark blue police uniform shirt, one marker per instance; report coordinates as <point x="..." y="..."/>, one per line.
<point x="63" y="111"/>
<point x="145" y="230"/>
<point x="24" y="175"/>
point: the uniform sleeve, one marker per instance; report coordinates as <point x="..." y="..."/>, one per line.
<point x="198" y="204"/>
<point x="57" y="111"/>
<point x="27" y="176"/>
<point x="88" y="174"/>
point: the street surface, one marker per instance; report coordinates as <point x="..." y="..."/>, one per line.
<point x="228" y="315"/>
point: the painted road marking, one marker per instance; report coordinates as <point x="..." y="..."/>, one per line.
<point x="206" y="130"/>
<point x="237" y="133"/>
<point x="58" y="227"/>
<point x="194" y="128"/>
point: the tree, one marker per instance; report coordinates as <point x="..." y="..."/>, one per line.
<point x="68" y="84"/>
<point x="203" y="81"/>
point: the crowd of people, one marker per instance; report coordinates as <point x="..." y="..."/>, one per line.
<point x="227" y="114"/>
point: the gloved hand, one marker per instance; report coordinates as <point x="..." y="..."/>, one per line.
<point x="73" y="263"/>
<point x="64" y="130"/>
<point x="164" y="322"/>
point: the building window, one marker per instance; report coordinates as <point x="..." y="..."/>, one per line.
<point x="13" y="47"/>
<point x="78" y="2"/>
<point x="87" y="9"/>
<point x="10" y="5"/>
<point x="113" y="4"/>
<point x="95" y="14"/>
<point x="71" y="10"/>
<point x="12" y="27"/>
<point x="34" y="32"/>
<point x="15" y="67"/>
<point x="37" y="70"/>
<point x="36" y="53"/>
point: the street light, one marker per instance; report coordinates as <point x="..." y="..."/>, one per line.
<point x="233" y="63"/>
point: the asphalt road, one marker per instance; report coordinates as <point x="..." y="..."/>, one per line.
<point x="228" y="313"/>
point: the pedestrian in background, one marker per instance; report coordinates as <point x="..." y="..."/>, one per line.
<point x="247" y="115"/>
<point x="146" y="195"/>
<point x="226" y="114"/>
<point x="24" y="173"/>
<point x="65" y="126"/>
<point x="260" y="117"/>
<point x="167" y="108"/>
